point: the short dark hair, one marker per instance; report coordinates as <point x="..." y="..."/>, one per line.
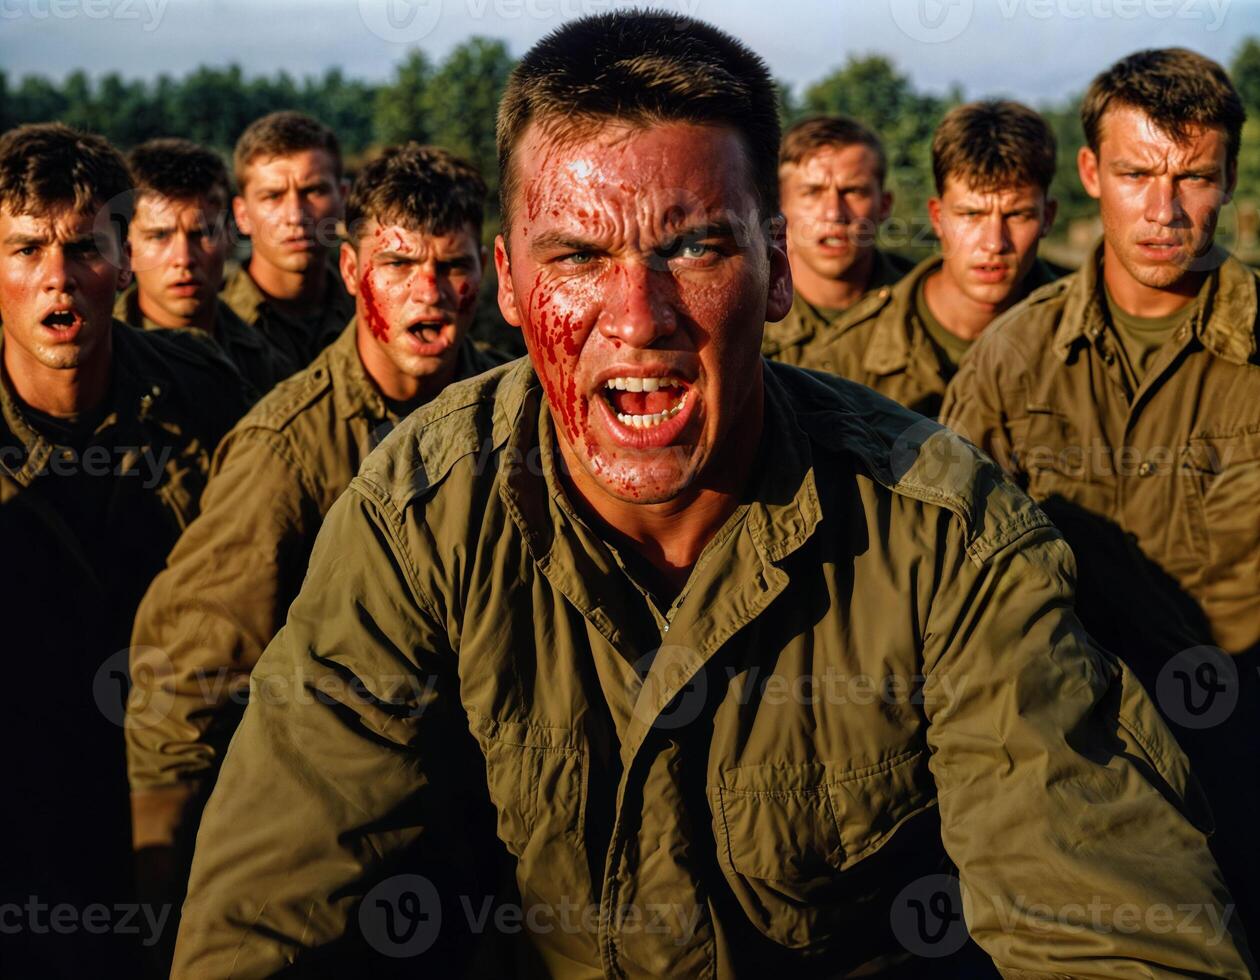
<point x="179" y="169"/>
<point x="424" y="188"/>
<point x="815" y="133"/>
<point x="45" y="165"/>
<point x="991" y="144"/>
<point x="281" y="134"/>
<point x="1177" y="88"/>
<point x="642" y="68"/>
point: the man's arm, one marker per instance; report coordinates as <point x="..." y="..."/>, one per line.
<point x="343" y="767"/>
<point x="1068" y="807"/>
<point x="203" y="624"/>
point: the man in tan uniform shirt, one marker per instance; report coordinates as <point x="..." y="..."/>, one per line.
<point x="833" y="189"/>
<point x="1126" y="398"/>
<point x="179" y="240"/>
<point x="290" y="194"/>
<point x="992" y="163"/>
<point x="414" y="262"/>
<point x="660" y="603"/>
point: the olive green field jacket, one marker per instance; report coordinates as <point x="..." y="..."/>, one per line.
<point x="873" y="667"/>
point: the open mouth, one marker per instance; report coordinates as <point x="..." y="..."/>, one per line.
<point x="429" y="338"/>
<point x="60" y="320"/>
<point x="644" y="403"/>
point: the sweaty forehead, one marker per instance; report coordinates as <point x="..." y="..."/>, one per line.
<point x="406" y="239"/>
<point x="56" y="221"/>
<point x="1127" y="132"/>
<point x="667" y="172"/>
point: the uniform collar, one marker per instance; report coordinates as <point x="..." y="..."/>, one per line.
<point x="138" y="384"/>
<point x="1224" y="322"/>
<point x="803" y="322"/>
<point x="889" y="349"/>
<point x="784" y="507"/>
<point x="229" y="329"/>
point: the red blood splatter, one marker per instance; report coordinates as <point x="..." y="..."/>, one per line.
<point x="376" y="321"/>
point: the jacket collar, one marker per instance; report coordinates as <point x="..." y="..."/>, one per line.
<point x="803" y="322"/>
<point x="1224" y="322"/>
<point x="892" y="342"/>
<point x="889" y="349"/>
<point x="139" y="382"/>
<point x="229" y="329"/>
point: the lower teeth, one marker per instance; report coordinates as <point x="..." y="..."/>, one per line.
<point x="649" y="421"/>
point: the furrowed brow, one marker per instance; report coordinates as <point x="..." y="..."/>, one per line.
<point x="24" y="240"/>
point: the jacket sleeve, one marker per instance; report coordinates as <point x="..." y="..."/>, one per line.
<point x="1069" y="809"/>
<point x="203" y="624"/>
<point x="344" y="767"/>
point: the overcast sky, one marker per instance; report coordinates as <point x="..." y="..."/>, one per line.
<point x="1037" y="50"/>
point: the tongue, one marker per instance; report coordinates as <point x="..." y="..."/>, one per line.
<point x="644" y="402"/>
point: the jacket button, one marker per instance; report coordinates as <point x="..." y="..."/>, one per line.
<point x="1109" y="357"/>
<point x="1146" y="469"/>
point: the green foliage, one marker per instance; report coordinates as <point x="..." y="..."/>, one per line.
<point x="453" y="104"/>
<point x="399" y="113"/>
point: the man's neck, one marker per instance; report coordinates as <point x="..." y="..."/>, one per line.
<point x="1140" y="300"/>
<point x="835" y="294"/>
<point x="203" y="319"/>
<point x="299" y="292"/>
<point x="671" y="535"/>
<point x="957" y="312"/>
<point x="59" y="392"/>
<point x="404" y="389"/>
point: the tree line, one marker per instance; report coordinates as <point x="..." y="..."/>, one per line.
<point x="453" y="102"/>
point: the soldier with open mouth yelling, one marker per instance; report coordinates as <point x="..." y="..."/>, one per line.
<point x="610" y="594"/>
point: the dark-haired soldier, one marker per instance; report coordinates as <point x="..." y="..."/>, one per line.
<point x="1126" y="398"/>
<point x="833" y="188"/>
<point x="992" y="163"/>
<point x="413" y="262"/>
<point x="105" y="438"/>
<point x="737" y="668"/>
<point x="290" y="195"/>
<point x="179" y="241"/>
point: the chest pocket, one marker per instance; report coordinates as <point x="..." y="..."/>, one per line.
<point x="1053" y="454"/>
<point x="537" y="780"/>
<point x="795" y="842"/>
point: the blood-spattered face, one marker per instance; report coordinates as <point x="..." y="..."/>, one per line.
<point x="641" y="273"/>
<point x="415" y="297"/>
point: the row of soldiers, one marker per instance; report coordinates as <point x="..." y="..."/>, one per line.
<point x="164" y="526"/>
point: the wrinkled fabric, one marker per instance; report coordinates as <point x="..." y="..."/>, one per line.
<point x="802" y="338"/>
<point x="882" y="343"/>
<point x="230" y="580"/>
<point x="67" y="600"/>
<point x="260" y="364"/>
<point x="873" y="668"/>
<point x="1155" y="487"/>
<point x="298" y="339"/>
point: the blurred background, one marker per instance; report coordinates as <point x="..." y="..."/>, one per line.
<point x="381" y="71"/>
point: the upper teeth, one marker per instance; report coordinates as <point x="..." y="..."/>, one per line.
<point x="641" y="384"/>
